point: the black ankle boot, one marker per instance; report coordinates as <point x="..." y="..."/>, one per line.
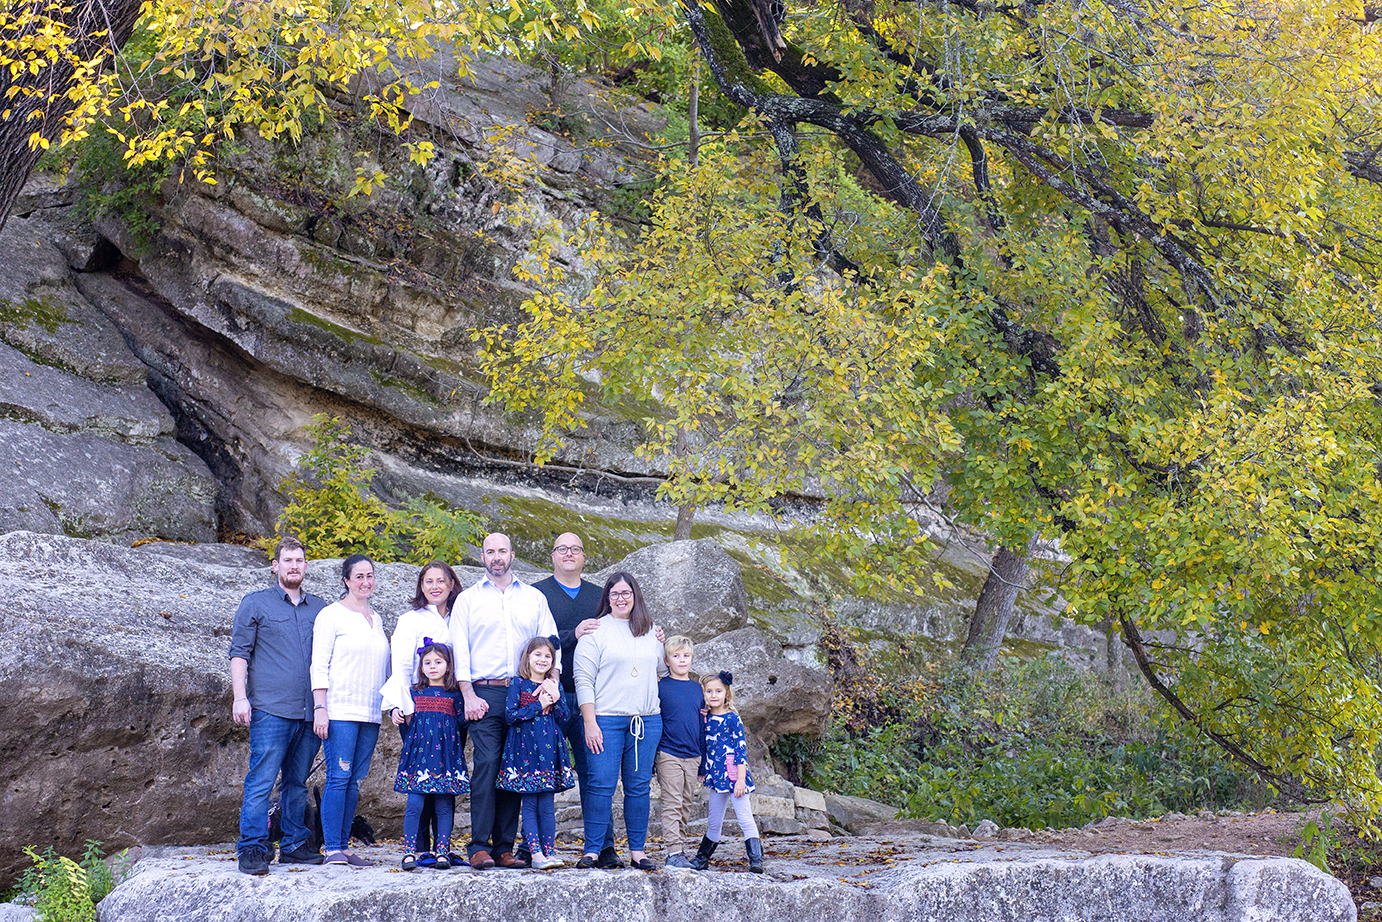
<point x="754" y="848"/>
<point x="702" y="859"/>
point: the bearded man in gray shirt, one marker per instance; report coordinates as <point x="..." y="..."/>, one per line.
<point x="270" y="656"/>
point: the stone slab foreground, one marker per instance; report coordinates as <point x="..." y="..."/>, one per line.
<point x="866" y="879"/>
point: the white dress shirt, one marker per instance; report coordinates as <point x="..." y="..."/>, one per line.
<point x="350" y="659"/>
<point x="490" y="627"/>
<point x="413" y="626"/>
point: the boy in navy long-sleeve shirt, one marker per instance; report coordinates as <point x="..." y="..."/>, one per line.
<point x="678" y="759"/>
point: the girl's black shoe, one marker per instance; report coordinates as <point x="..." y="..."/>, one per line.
<point x="702" y="859"/>
<point x="754" y="848"/>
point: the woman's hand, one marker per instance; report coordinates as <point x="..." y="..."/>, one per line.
<point x="320" y="722"/>
<point x="398" y="718"/>
<point x="594" y="739"/>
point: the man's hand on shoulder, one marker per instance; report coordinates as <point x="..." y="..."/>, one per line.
<point x="587" y="626"/>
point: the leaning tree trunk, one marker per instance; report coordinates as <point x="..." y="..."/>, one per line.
<point x="96" y="28"/>
<point x="1007" y="576"/>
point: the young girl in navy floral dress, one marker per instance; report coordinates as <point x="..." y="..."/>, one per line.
<point x="725" y="770"/>
<point x="535" y="763"/>
<point x="432" y="764"/>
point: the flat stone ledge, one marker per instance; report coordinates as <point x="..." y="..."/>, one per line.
<point x="917" y="879"/>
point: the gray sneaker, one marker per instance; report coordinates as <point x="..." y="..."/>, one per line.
<point x="254" y="861"/>
<point x="678" y="860"/>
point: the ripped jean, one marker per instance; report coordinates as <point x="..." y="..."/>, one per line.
<point x="348" y="748"/>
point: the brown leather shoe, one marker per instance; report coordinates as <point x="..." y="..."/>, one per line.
<point x="509" y="860"/>
<point x="481" y="860"/>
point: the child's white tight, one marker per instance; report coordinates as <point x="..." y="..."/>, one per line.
<point x="743" y="811"/>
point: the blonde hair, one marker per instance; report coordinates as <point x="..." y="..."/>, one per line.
<point x="676" y="643"/>
<point x="729" y="689"/>
<point x="525" y="670"/>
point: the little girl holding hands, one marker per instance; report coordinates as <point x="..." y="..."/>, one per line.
<point x="535" y="763"/>
<point x="725" y="770"/>
<point x="432" y="764"/>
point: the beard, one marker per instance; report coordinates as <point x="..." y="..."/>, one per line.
<point x="290" y="580"/>
<point x="498" y="567"/>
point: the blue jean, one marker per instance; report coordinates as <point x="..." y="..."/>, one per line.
<point x="574" y="731"/>
<point x="278" y="745"/>
<point x="349" y="746"/>
<point x="628" y="756"/>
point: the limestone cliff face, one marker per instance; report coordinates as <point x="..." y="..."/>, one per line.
<point x="269" y="296"/>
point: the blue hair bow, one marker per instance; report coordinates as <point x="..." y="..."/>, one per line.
<point x="426" y="642"/>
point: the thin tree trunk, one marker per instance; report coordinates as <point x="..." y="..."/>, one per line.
<point x="685" y="515"/>
<point x="994" y="608"/>
<point x="97" y="27"/>
<point x="693" y="142"/>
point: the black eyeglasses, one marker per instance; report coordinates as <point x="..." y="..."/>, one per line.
<point x="622" y="594"/>
<point x="564" y="549"/>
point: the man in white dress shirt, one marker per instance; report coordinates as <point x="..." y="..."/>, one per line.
<point x="492" y="622"/>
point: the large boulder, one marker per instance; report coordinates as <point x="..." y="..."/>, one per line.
<point x="773" y="694"/>
<point x="691" y="587"/>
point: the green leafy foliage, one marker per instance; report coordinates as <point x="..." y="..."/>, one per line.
<point x="64" y="890"/>
<point x="333" y="512"/>
<point x="1120" y="289"/>
<point x="1034" y="744"/>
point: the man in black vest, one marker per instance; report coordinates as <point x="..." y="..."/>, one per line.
<point x="574" y="603"/>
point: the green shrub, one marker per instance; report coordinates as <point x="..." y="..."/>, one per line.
<point x="1036" y="743"/>
<point x="63" y="890"/>
<point x="333" y="512"/>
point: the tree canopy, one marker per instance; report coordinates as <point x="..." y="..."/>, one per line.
<point x="1107" y="270"/>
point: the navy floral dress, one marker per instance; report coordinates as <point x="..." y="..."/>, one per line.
<point x="725" y="751"/>
<point x="433" y="757"/>
<point x="535" y="759"/>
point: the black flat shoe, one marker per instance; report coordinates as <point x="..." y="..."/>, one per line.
<point x="587" y="862"/>
<point x="609" y="858"/>
<point x="643" y="864"/>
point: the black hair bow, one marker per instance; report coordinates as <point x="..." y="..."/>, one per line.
<point x="726" y="677"/>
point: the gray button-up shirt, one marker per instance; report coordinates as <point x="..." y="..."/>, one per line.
<point x="275" y="637"/>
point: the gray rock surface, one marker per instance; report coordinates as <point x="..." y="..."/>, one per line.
<point x="62" y="402"/>
<point x="80" y="483"/>
<point x="14" y="912"/>
<point x="691" y="587"/>
<point x="773" y="694"/>
<point x="857" y="813"/>
<point x="861" y="880"/>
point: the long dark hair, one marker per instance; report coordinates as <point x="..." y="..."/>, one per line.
<point x="448" y="680"/>
<point x="349" y="564"/>
<point x="420" y="600"/>
<point x="640" y="622"/>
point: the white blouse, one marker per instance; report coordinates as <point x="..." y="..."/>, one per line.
<point x="412" y="628"/>
<point x="350" y="659"/>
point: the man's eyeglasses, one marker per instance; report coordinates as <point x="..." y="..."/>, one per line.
<point x="563" y="549"/>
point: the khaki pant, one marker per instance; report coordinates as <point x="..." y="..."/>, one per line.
<point x="680" y="788"/>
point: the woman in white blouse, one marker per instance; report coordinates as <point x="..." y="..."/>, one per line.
<point x="429" y="620"/>
<point x="350" y="661"/>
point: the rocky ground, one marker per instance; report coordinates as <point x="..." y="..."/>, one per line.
<point x="906" y="875"/>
